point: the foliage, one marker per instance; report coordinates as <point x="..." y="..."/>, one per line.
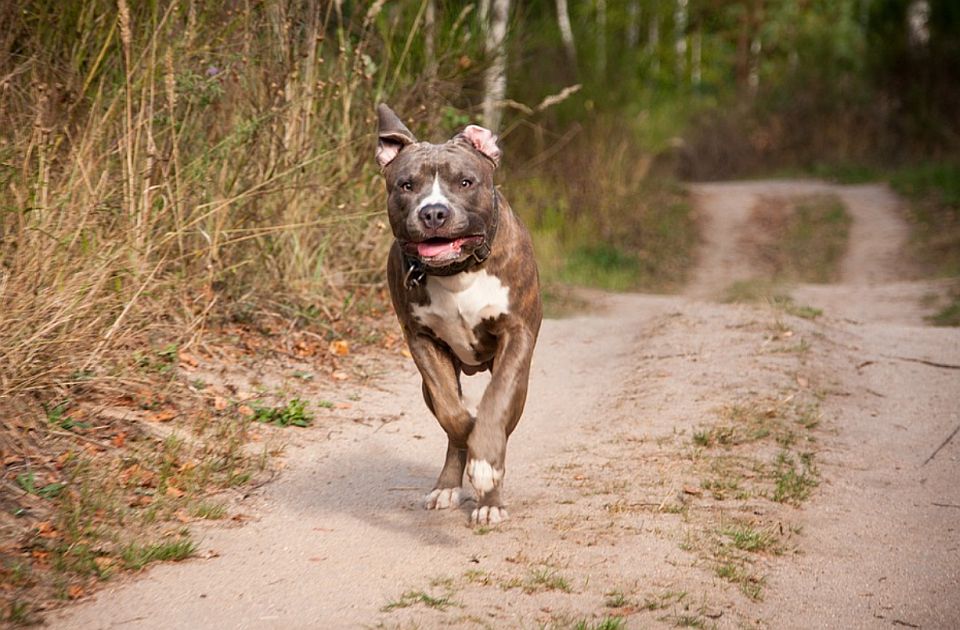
<point x="294" y="413"/>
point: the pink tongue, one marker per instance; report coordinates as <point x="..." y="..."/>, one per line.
<point x="431" y="250"/>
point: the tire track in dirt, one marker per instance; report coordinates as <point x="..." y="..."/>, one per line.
<point x="597" y="477"/>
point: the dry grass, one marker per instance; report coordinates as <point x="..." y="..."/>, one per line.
<point x="166" y="168"/>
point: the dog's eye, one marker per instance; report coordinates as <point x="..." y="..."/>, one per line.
<point x="406" y="185"/>
<point x="466" y="182"/>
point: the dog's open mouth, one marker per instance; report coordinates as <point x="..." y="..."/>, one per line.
<point x="440" y="250"/>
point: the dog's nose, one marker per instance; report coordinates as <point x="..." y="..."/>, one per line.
<point x="434" y="215"/>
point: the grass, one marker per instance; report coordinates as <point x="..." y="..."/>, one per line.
<point x="607" y="623"/>
<point x="949" y="315"/>
<point x="749" y="538"/>
<point x="412" y="598"/>
<point x="769" y="292"/>
<point x="209" y="511"/>
<point x="293" y="414"/>
<point x="545" y="579"/>
<point x="798" y="239"/>
<point x="749" y="584"/>
<point x="641" y="238"/>
<point x="795" y="477"/>
<point x="933" y="194"/>
<point x="135" y="556"/>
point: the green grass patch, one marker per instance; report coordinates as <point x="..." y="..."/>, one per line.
<point x="412" y="598"/>
<point x="136" y="556"/>
<point x="209" y="511"/>
<point x="737" y="573"/>
<point x="933" y="194"/>
<point x="749" y="538"/>
<point x="293" y="414"/>
<point x="607" y="623"/>
<point x="545" y="579"/>
<point x="795" y="477"/>
<point x="642" y="237"/>
<point x="949" y="315"/>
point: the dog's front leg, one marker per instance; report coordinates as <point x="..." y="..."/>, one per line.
<point x="497" y="416"/>
<point x="441" y="392"/>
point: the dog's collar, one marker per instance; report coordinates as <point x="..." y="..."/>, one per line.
<point x="415" y="272"/>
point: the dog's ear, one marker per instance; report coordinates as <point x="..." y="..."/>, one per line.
<point x="393" y="135"/>
<point x="483" y="140"/>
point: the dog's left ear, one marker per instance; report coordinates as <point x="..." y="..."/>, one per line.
<point x="484" y="141"/>
<point x="393" y="135"/>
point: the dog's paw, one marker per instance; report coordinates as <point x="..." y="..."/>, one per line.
<point x="483" y="477"/>
<point x="443" y="498"/>
<point x="488" y="515"/>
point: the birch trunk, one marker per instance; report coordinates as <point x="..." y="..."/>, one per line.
<point x="495" y="79"/>
<point x="566" y="32"/>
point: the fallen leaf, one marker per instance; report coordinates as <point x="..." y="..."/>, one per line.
<point x="343" y="405"/>
<point x="46" y="530"/>
<point x="246" y="410"/>
<point x="119" y="439"/>
<point x="339" y="348"/>
<point x="406" y="353"/>
<point x="220" y="403"/>
<point x="692" y="490"/>
<point x="340" y="376"/>
<point x="802" y="382"/>
<point x="174" y="492"/>
<point x="187" y="359"/>
<point x="140" y="500"/>
<point x="75" y="591"/>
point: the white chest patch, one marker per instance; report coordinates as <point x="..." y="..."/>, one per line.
<point x="458" y="304"/>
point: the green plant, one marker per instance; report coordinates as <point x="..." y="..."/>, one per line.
<point x="748" y="538"/>
<point x="607" y="623"/>
<point x="794" y="478"/>
<point x="294" y="413"/>
<point x="135" y="556"/>
<point x="615" y="599"/>
<point x="27" y="481"/>
<point x="411" y="598"/>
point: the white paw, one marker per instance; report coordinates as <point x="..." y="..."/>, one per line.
<point x="488" y="515"/>
<point x="443" y="498"/>
<point x="483" y="477"/>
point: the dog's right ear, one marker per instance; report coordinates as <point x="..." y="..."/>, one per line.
<point x="393" y="136"/>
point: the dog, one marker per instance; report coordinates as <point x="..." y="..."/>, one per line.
<point x="466" y="290"/>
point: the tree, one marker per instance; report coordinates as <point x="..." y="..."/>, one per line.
<point x="495" y="78"/>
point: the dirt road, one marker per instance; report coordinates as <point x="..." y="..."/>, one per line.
<point x="622" y="490"/>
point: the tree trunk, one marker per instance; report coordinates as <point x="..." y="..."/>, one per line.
<point x="680" y="39"/>
<point x="430" y="39"/>
<point x="566" y="33"/>
<point x="653" y="44"/>
<point x="601" y="38"/>
<point x="495" y="79"/>
<point x="633" y="24"/>
<point x="696" y="53"/>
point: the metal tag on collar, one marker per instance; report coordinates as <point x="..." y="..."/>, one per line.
<point x="415" y="274"/>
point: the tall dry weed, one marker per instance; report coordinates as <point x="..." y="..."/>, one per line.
<point x="160" y="162"/>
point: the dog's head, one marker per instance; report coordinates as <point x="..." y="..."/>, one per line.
<point x="440" y="197"/>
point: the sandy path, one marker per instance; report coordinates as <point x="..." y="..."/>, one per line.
<point x="604" y="445"/>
